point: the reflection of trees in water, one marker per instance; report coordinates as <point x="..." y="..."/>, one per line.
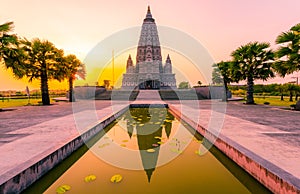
<point x="149" y="124"/>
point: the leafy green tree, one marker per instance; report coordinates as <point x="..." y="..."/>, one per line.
<point x="297" y="91"/>
<point x="73" y="67"/>
<point x="252" y="61"/>
<point x="281" y="88"/>
<point x="184" y="85"/>
<point x="288" y="54"/>
<point x="291" y="88"/>
<point x="225" y="68"/>
<point x="216" y="76"/>
<point x="199" y="83"/>
<point x="40" y="60"/>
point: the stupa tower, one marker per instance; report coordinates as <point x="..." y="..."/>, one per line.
<point x="148" y="73"/>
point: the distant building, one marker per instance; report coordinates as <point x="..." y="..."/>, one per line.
<point x="149" y="72"/>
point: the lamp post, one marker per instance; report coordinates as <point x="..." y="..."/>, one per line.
<point x="296" y="79"/>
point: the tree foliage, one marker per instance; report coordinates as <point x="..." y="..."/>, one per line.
<point x="288" y="54"/>
<point x="184" y="85"/>
<point x="72" y="67"/>
<point x="252" y="61"/>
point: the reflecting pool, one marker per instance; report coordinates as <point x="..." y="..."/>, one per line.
<point x="152" y="152"/>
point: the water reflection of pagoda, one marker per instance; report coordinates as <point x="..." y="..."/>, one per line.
<point x="149" y="128"/>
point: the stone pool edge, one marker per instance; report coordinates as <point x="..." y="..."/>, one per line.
<point x="41" y="164"/>
<point x="268" y="174"/>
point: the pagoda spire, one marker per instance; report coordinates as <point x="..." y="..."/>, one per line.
<point x="149" y="16"/>
<point x="168" y="59"/>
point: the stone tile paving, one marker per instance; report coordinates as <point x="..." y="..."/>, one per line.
<point x="272" y="133"/>
<point x="250" y="126"/>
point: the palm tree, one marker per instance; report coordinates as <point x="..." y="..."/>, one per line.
<point x="288" y="54"/>
<point x="224" y="69"/>
<point x="41" y="60"/>
<point x="73" y="67"/>
<point x="8" y="42"/>
<point x="10" y="53"/>
<point x="252" y="61"/>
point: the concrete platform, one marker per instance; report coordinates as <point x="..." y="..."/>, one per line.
<point x="269" y="151"/>
<point x="265" y="133"/>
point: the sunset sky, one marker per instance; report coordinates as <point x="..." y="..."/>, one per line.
<point x="78" y="26"/>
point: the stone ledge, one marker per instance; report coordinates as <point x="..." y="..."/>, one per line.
<point x="22" y="176"/>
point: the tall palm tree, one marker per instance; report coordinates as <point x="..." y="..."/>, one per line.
<point x="73" y="67"/>
<point x="252" y="61"/>
<point x="224" y="68"/>
<point x="288" y="54"/>
<point x="43" y="61"/>
<point x="10" y="53"/>
<point x="8" y="41"/>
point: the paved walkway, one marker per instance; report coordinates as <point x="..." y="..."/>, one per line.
<point x="151" y="95"/>
<point x="272" y="133"/>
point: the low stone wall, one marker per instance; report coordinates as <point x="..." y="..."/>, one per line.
<point x="270" y="175"/>
<point x="41" y="164"/>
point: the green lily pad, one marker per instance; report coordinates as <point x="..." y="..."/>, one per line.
<point x="176" y="151"/>
<point x="63" y="189"/>
<point x="151" y="150"/>
<point x="103" y="145"/>
<point x="116" y="178"/>
<point x="90" y="178"/>
<point x="172" y="144"/>
<point x="197" y="152"/>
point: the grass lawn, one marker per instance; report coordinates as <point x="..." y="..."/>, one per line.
<point x="274" y="100"/>
<point x="18" y="102"/>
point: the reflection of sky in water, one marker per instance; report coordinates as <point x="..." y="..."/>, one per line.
<point x="137" y="131"/>
<point x="154" y="153"/>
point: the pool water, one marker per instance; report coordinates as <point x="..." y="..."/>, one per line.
<point x="154" y="153"/>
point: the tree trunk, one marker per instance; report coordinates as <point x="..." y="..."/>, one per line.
<point x="226" y="91"/>
<point x="281" y="98"/>
<point x="291" y="96"/>
<point x="250" y="83"/>
<point x="44" y="88"/>
<point x="296" y="97"/>
<point x="71" y="95"/>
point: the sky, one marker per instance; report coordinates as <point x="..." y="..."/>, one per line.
<point x="78" y="26"/>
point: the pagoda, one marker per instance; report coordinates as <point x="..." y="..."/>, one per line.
<point x="149" y="71"/>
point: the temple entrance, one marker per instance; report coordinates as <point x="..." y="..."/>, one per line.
<point x="149" y="85"/>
